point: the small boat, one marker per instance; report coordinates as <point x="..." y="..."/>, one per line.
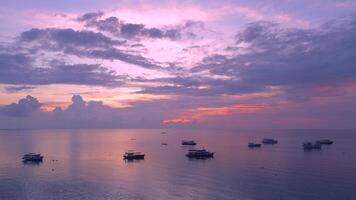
<point x="32" y="157"/>
<point x="132" y="155"/>
<point x="188" y="142"/>
<point x="163" y="132"/>
<point x="269" y="141"/>
<point x="253" y="145"/>
<point x="163" y="143"/>
<point x="325" y="141"/>
<point x="311" y="146"/>
<point x="199" y="153"/>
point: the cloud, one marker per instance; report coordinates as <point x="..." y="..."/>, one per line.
<point x="267" y="57"/>
<point x="13" y="89"/>
<point x="127" y="30"/>
<point x="79" y="114"/>
<point x="24" y="108"/>
<point x="20" y="69"/>
<point x="59" y="38"/>
<point x="84" y="44"/>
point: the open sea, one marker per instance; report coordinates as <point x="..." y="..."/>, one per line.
<point x="87" y="164"/>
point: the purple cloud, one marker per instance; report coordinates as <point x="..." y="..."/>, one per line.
<point x="24" y="108"/>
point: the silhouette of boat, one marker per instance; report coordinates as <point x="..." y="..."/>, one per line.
<point x="253" y="145"/>
<point x="132" y="155"/>
<point x="188" y="142"/>
<point x="311" y="146"/>
<point x="32" y="157"/>
<point x="325" y="141"/>
<point x="199" y="153"/>
<point x="269" y="141"/>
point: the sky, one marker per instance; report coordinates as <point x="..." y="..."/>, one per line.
<point x="178" y="64"/>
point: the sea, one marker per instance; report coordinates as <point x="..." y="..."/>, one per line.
<point x="87" y="164"/>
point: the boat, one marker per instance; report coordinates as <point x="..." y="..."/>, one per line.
<point x="163" y="132"/>
<point x="311" y="146"/>
<point x="269" y="141"/>
<point x="199" y="153"/>
<point x="32" y="157"/>
<point x="188" y="142"/>
<point x="253" y="145"/>
<point x="133" y="155"/>
<point x="163" y="143"/>
<point x="325" y="141"/>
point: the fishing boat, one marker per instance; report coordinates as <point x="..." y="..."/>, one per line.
<point x="199" y="153"/>
<point x="311" y="146"/>
<point x="188" y="142"/>
<point x="325" y="141"/>
<point x="269" y="141"/>
<point x="253" y="145"/>
<point x="132" y="155"/>
<point x="32" y="157"/>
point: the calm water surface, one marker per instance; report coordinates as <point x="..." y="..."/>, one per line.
<point x="90" y="165"/>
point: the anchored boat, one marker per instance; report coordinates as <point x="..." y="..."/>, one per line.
<point x="253" y="145"/>
<point x="199" y="153"/>
<point x="325" y="141"/>
<point x="132" y="155"/>
<point x="32" y="157"/>
<point x="188" y="142"/>
<point x="269" y="141"/>
<point x="311" y="146"/>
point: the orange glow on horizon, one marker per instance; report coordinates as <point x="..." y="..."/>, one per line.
<point x="201" y="112"/>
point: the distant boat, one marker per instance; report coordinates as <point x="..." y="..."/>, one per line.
<point x="200" y="153"/>
<point x="253" y="145"/>
<point x="310" y="146"/>
<point x="163" y="143"/>
<point x="32" y="157"/>
<point x="325" y="141"/>
<point x="188" y="142"/>
<point x="132" y="155"/>
<point x="163" y="132"/>
<point x="269" y="141"/>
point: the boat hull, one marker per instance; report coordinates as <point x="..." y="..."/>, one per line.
<point x="200" y="156"/>
<point x="254" y="145"/>
<point x="134" y="157"/>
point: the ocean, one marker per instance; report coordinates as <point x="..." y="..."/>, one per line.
<point x="88" y="164"/>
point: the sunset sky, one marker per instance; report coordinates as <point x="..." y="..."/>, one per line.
<point x="180" y="64"/>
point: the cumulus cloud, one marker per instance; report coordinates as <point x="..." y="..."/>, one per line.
<point x="24" y="108"/>
<point x="79" y="114"/>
